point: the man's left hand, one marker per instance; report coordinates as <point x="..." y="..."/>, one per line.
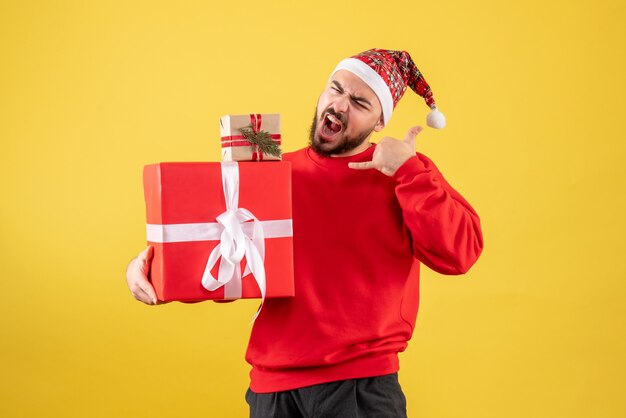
<point x="391" y="153"/>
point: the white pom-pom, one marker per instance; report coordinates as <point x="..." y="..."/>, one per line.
<point x="436" y="119"/>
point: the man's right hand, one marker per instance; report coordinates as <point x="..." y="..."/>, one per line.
<point x="137" y="277"/>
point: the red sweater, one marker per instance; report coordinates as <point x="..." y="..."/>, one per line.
<point x="358" y="236"/>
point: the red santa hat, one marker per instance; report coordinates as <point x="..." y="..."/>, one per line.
<point x="388" y="73"/>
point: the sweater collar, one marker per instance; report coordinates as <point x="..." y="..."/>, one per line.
<point x="336" y="162"/>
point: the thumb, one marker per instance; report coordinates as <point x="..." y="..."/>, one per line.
<point x="411" y="134"/>
<point x="144" y="258"/>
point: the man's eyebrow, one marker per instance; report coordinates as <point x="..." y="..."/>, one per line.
<point x="362" y="100"/>
<point x="338" y="85"/>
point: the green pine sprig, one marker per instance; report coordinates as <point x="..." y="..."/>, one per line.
<point x="262" y="139"/>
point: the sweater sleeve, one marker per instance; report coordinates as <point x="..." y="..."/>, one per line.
<point x="445" y="229"/>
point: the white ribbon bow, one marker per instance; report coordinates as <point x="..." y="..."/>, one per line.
<point x="235" y="244"/>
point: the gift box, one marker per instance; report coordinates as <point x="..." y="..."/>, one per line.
<point x="253" y="137"/>
<point x="220" y="230"/>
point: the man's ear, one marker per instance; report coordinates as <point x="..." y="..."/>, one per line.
<point x="380" y="124"/>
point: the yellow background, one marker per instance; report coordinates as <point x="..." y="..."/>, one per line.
<point x="534" y="93"/>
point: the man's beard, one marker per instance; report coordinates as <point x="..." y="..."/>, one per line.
<point x="342" y="145"/>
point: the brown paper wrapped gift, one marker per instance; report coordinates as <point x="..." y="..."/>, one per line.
<point x="252" y="137"/>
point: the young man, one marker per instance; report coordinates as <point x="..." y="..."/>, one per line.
<point x="364" y="217"/>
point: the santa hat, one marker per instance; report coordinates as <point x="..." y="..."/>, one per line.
<point x="388" y="73"/>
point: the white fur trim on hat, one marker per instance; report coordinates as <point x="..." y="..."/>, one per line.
<point x="372" y="79"/>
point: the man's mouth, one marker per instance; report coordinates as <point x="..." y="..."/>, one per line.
<point x="331" y="127"/>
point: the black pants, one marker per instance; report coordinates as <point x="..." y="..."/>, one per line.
<point x="379" y="397"/>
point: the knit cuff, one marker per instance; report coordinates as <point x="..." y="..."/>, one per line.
<point x="407" y="171"/>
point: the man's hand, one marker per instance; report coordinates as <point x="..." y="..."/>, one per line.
<point x="391" y="153"/>
<point x="138" y="283"/>
<point x="137" y="277"/>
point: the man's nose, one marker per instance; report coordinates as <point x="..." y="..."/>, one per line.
<point x="341" y="104"/>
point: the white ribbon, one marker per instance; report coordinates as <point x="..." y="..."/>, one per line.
<point x="240" y="233"/>
<point x="212" y="231"/>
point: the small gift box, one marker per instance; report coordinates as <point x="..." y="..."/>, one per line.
<point x="253" y="137"/>
<point x="220" y="230"/>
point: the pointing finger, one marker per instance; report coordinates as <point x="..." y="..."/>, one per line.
<point x="362" y="166"/>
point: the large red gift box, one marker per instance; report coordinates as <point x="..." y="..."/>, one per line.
<point x="194" y="233"/>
